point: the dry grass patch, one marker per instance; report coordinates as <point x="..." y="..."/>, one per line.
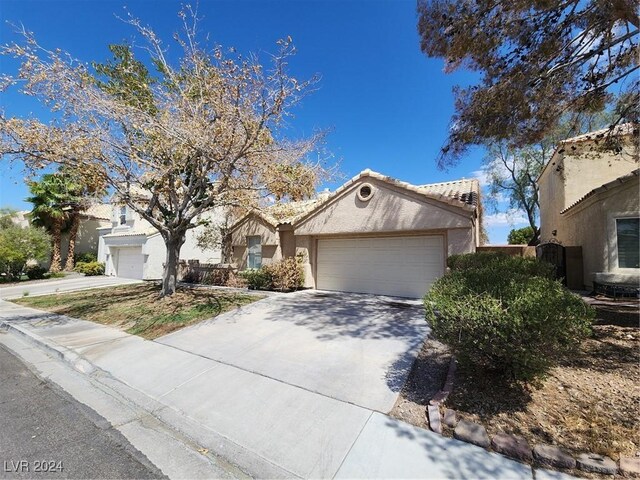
<point x="139" y="309"/>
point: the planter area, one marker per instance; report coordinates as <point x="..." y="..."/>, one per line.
<point x="582" y="418"/>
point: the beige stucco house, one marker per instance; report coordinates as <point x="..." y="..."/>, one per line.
<point x="374" y="234"/>
<point x="589" y="198"/>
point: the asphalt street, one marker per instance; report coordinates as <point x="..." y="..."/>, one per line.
<point x="45" y="433"/>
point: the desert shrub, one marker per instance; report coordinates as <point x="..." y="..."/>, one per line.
<point x="287" y="274"/>
<point x="35" y="272"/>
<point x="500" y="262"/>
<point x="90" y="268"/>
<point x="284" y="275"/>
<point x="216" y="276"/>
<point x="86" y="257"/>
<point x="235" y="280"/>
<point x="257" y="278"/>
<point x="516" y="320"/>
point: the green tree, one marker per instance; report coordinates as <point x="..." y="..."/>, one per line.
<point x="538" y="63"/>
<point x="204" y="132"/>
<point x="521" y="236"/>
<point x="18" y="245"/>
<point x="513" y="172"/>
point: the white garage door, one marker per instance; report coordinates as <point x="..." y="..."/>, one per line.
<point x="400" y="266"/>
<point x="130" y="263"/>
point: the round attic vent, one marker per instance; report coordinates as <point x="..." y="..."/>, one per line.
<point x="365" y="192"/>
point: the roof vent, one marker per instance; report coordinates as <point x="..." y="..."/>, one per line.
<point x="365" y="192"/>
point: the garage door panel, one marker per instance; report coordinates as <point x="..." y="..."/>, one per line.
<point x="402" y="266"/>
<point x="130" y="263"/>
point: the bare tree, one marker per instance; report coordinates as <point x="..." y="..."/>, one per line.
<point x="174" y="142"/>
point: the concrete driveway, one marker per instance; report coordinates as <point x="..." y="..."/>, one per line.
<point x="350" y="347"/>
<point x="69" y="284"/>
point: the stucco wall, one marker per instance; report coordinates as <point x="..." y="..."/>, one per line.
<point x="575" y="172"/>
<point x="305" y="247"/>
<point x="254" y="226"/>
<point x="592" y="226"/>
<point x="460" y="240"/>
<point x="388" y="210"/>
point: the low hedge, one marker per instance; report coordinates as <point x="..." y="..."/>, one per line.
<point x="90" y="268"/>
<point x="507" y="314"/>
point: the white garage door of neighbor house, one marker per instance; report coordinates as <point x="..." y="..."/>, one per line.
<point x="130" y="262"/>
<point x="399" y="266"/>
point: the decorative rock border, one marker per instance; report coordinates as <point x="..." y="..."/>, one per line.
<point x="517" y="447"/>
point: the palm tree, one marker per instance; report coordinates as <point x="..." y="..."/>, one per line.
<point x="51" y="198"/>
<point x="84" y="188"/>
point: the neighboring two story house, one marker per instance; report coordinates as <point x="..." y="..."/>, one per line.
<point x="589" y="198"/>
<point x="130" y="247"/>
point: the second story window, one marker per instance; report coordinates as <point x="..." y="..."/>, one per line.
<point x="123" y="215"/>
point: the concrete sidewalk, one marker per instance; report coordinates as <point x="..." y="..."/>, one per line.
<point x="265" y="427"/>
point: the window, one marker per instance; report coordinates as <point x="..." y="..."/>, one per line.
<point x="254" y="260"/>
<point x="628" y="230"/>
<point x="123" y="215"/>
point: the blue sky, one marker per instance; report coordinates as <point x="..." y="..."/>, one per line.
<point x="387" y="105"/>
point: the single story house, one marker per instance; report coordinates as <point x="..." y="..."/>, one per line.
<point x="374" y="234"/>
<point x="589" y="198"/>
<point x="131" y="247"/>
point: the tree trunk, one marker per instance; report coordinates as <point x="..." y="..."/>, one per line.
<point x="56" y="236"/>
<point x="173" y="243"/>
<point x="73" y="233"/>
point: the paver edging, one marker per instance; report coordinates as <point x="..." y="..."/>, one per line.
<point x="512" y="446"/>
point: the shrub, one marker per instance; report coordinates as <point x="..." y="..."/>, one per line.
<point x="257" y="279"/>
<point x="506" y="314"/>
<point x="287" y="274"/>
<point x="235" y="280"/>
<point x="500" y="262"/>
<point x="35" y="272"/>
<point x="86" y="257"/>
<point x="90" y="268"/>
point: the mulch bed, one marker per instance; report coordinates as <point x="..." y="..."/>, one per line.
<point x="588" y="403"/>
<point x="425" y="379"/>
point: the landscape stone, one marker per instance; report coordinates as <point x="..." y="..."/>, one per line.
<point x="591" y="462"/>
<point x="630" y="466"/>
<point x="512" y="446"/>
<point x="450" y="419"/>
<point x="553" y="456"/>
<point x="434" y="418"/>
<point x="472" y="433"/>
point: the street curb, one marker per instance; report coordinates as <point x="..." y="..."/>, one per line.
<point x="252" y="465"/>
<point x="70" y="357"/>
